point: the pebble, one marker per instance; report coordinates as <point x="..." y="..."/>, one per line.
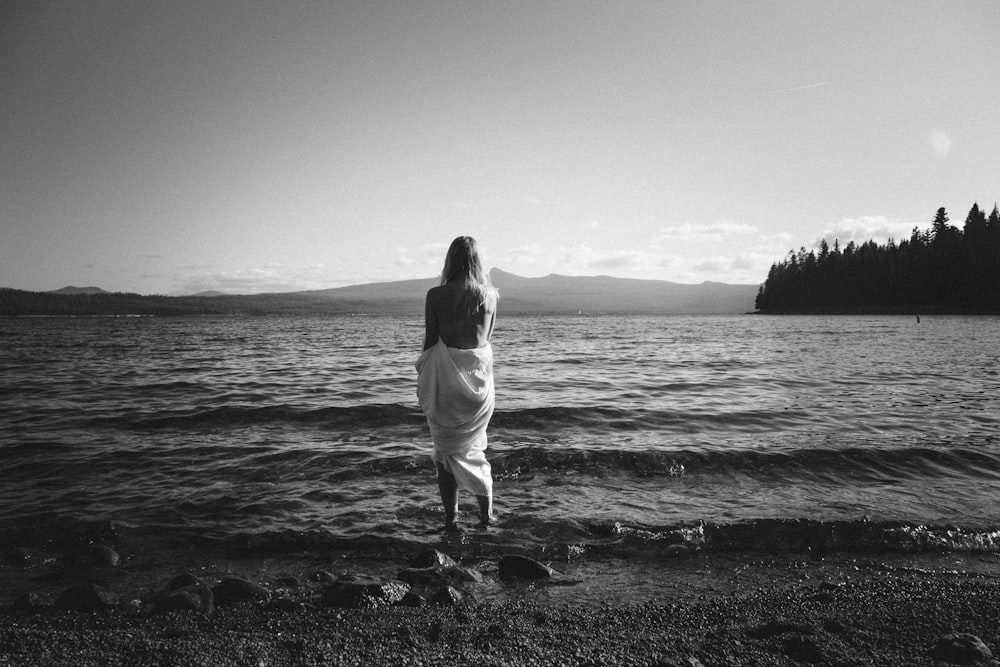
<point x="961" y="648"/>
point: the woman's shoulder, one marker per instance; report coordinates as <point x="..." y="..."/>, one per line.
<point x="437" y="292"/>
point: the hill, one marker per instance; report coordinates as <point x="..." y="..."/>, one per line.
<point x="606" y="295"/>
<point x="70" y="289"/>
<point x="553" y="294"/>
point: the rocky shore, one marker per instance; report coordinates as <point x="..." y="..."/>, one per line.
<point x="432" y="611"/>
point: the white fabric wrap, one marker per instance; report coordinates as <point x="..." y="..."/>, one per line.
<point x="455" y="391"/>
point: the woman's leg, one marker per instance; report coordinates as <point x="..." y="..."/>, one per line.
<point x="485" y="509"/>
<point x="449" y="495"/>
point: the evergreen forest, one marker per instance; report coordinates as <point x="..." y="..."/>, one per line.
<point x="942" y="269"/>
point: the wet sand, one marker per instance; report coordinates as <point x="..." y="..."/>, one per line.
<point x="715" y="610"/>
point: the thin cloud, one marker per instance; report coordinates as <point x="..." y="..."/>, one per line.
<point x="940" y="143"/>
<point x="428" y="255"/>
<point x="256" y="280"/>
<point x="746" y="267"/>
<point x="713" y="232"/>
<point x="526" y="254"/>
<point x="795" y="88"/>
<point x="619" y="260"/>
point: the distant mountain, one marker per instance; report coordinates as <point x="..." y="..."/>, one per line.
<point x="606" y="295"/>
<point x="78" y="290"/>
<point x="556" y="294"/>
<point x="550" y="295"/>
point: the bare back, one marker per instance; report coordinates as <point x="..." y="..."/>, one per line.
<point x="445" y="318"/>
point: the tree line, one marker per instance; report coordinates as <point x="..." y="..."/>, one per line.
<point x="942" y="269"/>
<point x="21" y="303"/>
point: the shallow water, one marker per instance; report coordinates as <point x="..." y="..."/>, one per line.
<point x="612" y="435"/>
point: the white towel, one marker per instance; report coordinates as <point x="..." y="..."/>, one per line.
<point x="455" y="391"/>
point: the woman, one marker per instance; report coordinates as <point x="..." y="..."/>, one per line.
<point x="455" y="377"/>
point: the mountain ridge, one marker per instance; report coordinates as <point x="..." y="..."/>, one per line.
<point x="553" y="294"/>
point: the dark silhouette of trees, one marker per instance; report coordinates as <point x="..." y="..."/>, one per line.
<point x="941" y="270"/>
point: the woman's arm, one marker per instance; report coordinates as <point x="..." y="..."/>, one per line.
<point x="431" y="332"/>
<point x="493" y="316"/>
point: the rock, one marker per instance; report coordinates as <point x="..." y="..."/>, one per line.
<point x="98" y="556"/>
<point x="961" y="648"/>
<point x="524" y="568"/>
<point x="194" y="597"/>
<point x="433" y="569"/>
<point x="361" y="590"/>
<point x="432" y="577"/>
<point x="432" y="558"/>
<point x="448" y="595"/>
<point x="822" y="596"/>
<point x="182" y="580"/>
<point x="84" y="597"/>
<point x="288" y="582"/>
<point x="235" y="590"/>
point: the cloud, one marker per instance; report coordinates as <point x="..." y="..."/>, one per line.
<point x="403" y="258"/>
<point x="744" y="268"/>
<point x="940" y="143"/>
<point x="714" y="232"/>
<point x="592" y="225"/>
<point x="619" y="260"/>
<point x="258" y="280"/>
<point x="522" y="256"/>
<point x="430" y="255"/>
<point x="865" y="228"/>
<point x="744" y="261"/>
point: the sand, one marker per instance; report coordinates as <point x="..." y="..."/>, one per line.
<point x="833" y="611"/>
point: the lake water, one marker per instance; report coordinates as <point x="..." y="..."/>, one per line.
<point x="612" y="435"/>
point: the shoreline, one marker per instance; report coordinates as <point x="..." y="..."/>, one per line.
<point x="704" y="609"/>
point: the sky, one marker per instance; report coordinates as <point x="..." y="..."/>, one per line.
<point x="182" y="146"/>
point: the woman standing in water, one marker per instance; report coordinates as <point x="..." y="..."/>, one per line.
<point x="455" y="377"/>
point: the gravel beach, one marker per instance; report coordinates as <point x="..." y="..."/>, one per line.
<point x="777" y="612"/>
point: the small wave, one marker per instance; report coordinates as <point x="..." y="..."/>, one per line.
<point x="551" y="538"/>
<point x="570" y="538"/>
<point x="374" y="415"/>
<point x="805" y="462"/>
<point x="597" y="418"/>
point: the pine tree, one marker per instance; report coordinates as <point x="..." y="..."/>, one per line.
<point x="943" y="269"/>
<point x="940" y="229"/>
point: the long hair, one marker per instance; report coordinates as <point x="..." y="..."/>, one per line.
<point x="462" y="266"/>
